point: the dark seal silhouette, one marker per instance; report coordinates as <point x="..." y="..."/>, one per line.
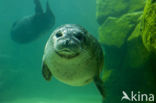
<point x="31" y="27"/>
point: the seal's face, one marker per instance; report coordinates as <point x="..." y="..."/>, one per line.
<point x="69" y="40"/>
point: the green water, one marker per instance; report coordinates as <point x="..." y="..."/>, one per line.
<point x="128" y="64"/>
<point x="21" y="80"/>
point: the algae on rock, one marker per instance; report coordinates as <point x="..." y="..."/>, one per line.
<point x="114" y="31"/>
<point x="136" y="53"/>
<point x="149" y="26"/>
<point x="116" y="8"/>
<point x="129" y="40"/>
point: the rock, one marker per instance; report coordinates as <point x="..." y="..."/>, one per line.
<point x="116" y="8"/>
<point x="106" y="75"/>
<point x="136" y="53"/>
<point x="113" y="57"/>
<point x="130" y="61"/>
<point x="149" y="26"/>
<point x="114" y="31"/>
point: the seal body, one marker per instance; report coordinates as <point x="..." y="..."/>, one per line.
<point x="30" y="28"/>
<point x="73" y="56"/>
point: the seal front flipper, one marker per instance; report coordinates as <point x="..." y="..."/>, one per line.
<point x="38" y="7"/>
<point x="99" y="84"/>
<point x="46" y="72"/>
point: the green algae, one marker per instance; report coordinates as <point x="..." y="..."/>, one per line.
<point x="114" y="31"/>
<point x="136" y="53"/>
<point x="149" y="26"/>
<point x="116" y="8"/>
<point x="128" y="44"/>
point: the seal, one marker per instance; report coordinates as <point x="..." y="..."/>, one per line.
<point x="73" y="56"/>
<point x="31" y="27"/>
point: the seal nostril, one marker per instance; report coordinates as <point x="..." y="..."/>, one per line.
<point x="67" y="42"/>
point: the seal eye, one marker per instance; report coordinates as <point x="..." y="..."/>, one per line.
<point x="59" y="34"/>
<point x="79" y="36"/>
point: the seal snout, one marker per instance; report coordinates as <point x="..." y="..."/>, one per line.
<point x="67" y="44"/>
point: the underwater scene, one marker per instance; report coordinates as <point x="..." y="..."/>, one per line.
<point x="77" y="51"/>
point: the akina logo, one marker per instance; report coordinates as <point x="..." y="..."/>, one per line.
<point x="137" y="97"/>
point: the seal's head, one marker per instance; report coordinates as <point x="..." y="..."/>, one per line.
<point x="69" y="40"/>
